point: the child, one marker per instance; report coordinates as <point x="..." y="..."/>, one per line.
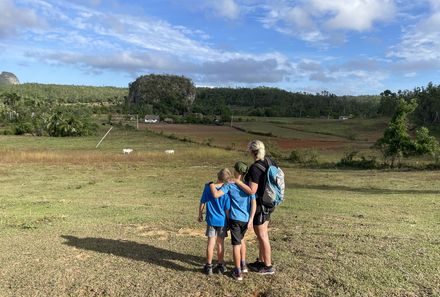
<point x="241" y="215"/>
<point x="216" y="220"/>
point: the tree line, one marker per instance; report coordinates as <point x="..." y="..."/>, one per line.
<point x="170" y="95"/>
<point x="427" y="111"/>
<point x="274" y="102"/>
<point x="68" y="93"/>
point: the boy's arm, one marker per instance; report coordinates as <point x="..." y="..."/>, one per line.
<point x="250" y="190"/>
<point x="201" y="208"/>
<point x="216" y="193"/>
<point x="252" y="214"/>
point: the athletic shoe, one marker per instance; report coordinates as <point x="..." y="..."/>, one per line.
<point x="255" y="266"/>
<point x="266" y="270"/>
<point x="244" y="268"/>
<point x="236" y="274"/>
<point x="208" y="269"/>
<point x="221" y="268"/>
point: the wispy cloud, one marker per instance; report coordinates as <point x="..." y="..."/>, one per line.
<point x="322" y="21"/>
<point x="224" y="9"/>
<point x="111" y="41"/>
<point x="419" y="46"/>
<point x="14" y="19"/>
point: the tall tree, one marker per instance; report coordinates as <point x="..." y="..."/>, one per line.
<point x="396" y="142"/>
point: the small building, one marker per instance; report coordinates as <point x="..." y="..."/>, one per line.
<point x="151" y="119"/>
<point x="168" y="120"/>
<point x="343" y="118"/>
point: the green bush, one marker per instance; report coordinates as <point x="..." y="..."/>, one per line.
<point x="23" y="128"/>
<point x="295" y="156"/>
<point x="307" y="157"/>
<point x="353" y="160"/>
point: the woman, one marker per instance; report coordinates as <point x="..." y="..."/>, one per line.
<point x="254" y="183"/>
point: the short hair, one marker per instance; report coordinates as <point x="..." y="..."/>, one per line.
<point x="257" y="148"/>
<point x="224" y="175"/>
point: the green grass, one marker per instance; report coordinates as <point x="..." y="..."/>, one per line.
<point x="82" y="221"/>
<point x="326" y="129"/>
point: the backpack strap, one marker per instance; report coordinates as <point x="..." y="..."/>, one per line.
<point x="269" y="163"/>
<point x="261" y="167"/>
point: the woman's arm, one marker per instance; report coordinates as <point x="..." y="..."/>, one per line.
<point x="250" y="190"/>
<point x="216" y="193"/>
<point x="252" y="214"/>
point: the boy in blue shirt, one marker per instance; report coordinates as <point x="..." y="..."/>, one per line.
<point x="216" y="220"/>
<point x="241" y="216"/>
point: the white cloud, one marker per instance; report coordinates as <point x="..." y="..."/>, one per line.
<point x="125" y="61"/>
<point x="318" y="21"/>
<point x="358" y="15"/>
<point x="226" y="8"/>
<point x="244" y="70"/>
<point x="14" y="19"/>
<point x="240" y="70"/>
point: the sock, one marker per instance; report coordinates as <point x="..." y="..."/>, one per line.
<point x="243" y="263"/>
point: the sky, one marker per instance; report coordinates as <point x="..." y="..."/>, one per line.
<point x="346" y="47"/>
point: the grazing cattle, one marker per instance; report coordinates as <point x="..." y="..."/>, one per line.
<point x="127" y="151"/>
<point x="169" y="152"/>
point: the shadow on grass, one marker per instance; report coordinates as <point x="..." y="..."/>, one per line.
<point x="360" y="189"/>
<point x="137" y="251"/>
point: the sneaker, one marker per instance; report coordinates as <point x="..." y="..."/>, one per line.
<point x="208" y="269"/>
<point x="266" y="270"/>
<point x="255" y="266"/>
<point x="221" y="268"/>
<point x="244" y="268"/>
<point x="236" y="274"/>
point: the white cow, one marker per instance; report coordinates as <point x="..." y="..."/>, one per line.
<point x="127" y="151"/>
<point x="169" y="152"/>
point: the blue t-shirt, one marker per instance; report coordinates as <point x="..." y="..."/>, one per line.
<point x="240" y="202"/>
<point x="215" y="208"/>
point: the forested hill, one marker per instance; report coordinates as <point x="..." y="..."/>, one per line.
<point x="69" y="93"/>
<point x="276" y="102"/>
<point x="260" y="101"/>
<point x="264" y="101"/>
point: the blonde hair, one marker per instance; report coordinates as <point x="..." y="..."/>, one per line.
<point x="224" y="175"/>
<point x="257" y="148"/>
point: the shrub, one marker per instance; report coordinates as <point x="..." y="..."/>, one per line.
<point x="295" y="156"/>
<point x="307" y="157"/>
<point x="353" y="160"/>
<point x="23" y="128"/>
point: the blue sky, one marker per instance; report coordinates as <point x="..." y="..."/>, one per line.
<point x="343" y="46"/>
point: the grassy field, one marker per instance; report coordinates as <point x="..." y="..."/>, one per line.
<point x="80" y="221"/>
<point x="329" y="138"/>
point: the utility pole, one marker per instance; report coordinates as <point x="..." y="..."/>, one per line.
<point x="137" y="123"/>
<point x="232" y="118"/>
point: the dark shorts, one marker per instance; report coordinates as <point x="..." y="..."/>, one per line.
<point x="238" y="230"/>
<point x="261" y="216"/>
